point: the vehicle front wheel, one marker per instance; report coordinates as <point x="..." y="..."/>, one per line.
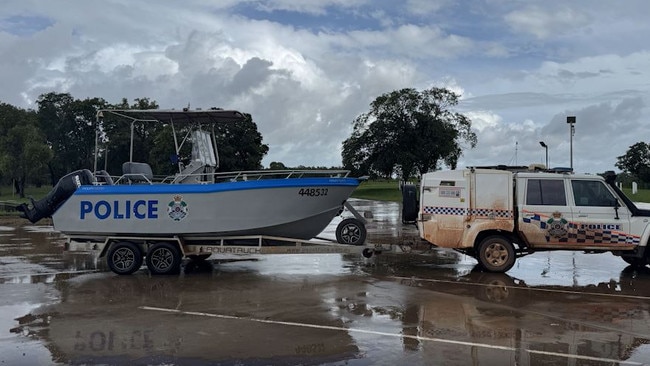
<point x="124" y="258"/>
<point x="496" y="254"/>
<point x="163" y="258"/>
<point x="351" y="231"/>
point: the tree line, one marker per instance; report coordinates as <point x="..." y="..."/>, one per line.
<point x="40" y="146"/>
<point x="405" y="133"/>
<point x="636" y="162"/>
<point x="408" y="132"/>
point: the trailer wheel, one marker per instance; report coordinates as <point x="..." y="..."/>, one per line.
<point x="163" y="258"/>
<point x="351" y="231"/>
<point x="124" y="258"/>
<point x="496" y="254"/>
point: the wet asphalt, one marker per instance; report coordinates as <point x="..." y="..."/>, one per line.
<point x="434" y="308"/>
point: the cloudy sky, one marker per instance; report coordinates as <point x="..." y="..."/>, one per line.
<point x="306" y="69"/>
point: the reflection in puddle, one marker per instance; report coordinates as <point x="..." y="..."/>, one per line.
<point x="552" y="308"/>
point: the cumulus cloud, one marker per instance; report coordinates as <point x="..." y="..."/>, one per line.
<point x="543" y="22"/>
<point x="305" y="70"/>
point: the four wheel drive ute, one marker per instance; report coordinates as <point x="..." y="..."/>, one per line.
<point x="498" y="214"/>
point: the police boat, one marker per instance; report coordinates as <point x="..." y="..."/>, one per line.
<point x="197" y="204"/>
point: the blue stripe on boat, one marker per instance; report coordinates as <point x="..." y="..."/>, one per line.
<point x="217" y="187"/>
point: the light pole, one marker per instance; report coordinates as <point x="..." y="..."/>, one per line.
<point x="571" y="120"/>
<point x="546" y="148"/>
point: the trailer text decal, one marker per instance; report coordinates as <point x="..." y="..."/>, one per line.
<point x="127" y="209"/>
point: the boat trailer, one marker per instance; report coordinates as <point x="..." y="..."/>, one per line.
<point x="125" y="254"/>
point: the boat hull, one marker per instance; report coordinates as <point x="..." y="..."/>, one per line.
<point x="293" y="208"/>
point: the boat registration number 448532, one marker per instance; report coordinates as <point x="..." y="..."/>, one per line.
<point x="312" y="192"/>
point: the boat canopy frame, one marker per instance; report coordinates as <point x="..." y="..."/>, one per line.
<point x="172" y="117"/>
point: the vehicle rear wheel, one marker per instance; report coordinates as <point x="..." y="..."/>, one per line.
<point x="351" y="231"/>
<point x="496" y="254"/>
<point x="164" y="258"/>
<point x="124" y="258"/>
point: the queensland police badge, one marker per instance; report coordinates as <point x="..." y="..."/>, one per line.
<point x="177" y="209"/>
<point x="557" y="225"/>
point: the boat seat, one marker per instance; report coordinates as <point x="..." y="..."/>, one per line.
<point x="137" y="172"/>
<point x="102" y="177"/>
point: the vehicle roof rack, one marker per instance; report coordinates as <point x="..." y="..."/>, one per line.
<point x="525" y="168"/>
<point x="512" y="168"/>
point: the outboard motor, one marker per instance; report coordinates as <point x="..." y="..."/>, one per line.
<point x="409" y="204"/>
<point x="46" y="206"/>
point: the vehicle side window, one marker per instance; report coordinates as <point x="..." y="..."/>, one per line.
<point x="547" y="192"/>
<point x="592" y="193"/>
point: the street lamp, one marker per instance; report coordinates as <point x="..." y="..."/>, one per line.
<point x="545" y="147"/>
<point x="571" y="120"/>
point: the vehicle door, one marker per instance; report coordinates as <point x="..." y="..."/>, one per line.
<point x="599" y="219"/>
<point x="543" y="212"/>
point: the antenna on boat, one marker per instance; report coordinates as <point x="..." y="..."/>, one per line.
<point x="99" y="117"/>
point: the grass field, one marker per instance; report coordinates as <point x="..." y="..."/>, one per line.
<point x="380" y="190"/>
<point x="643" y="195"/>
<point x="7" y="195"/>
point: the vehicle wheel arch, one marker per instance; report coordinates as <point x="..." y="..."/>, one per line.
<point x="487" y="233"/>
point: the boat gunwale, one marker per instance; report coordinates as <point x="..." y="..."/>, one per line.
<point x="161" y="188"/>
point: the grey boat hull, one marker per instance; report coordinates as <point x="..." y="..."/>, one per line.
<point x="292" y="208"/>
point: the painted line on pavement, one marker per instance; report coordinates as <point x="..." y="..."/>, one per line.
<point x="394" y="335"/>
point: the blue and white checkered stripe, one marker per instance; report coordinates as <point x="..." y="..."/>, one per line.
<point x="460" y="211"/>
<point x="585" y="236"/>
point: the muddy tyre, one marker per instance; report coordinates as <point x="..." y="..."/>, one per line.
<point x="163" y="259"/>
<point x="124" y="258"/>
<point x="351" y="231"/>
<point x="496" y="254"/>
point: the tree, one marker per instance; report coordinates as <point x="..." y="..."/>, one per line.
<point x="407" y="131"/>
<point x="69" y="126"/>
<point x="240" y="145"/>
<point x="24" y="151"/>
<point x="277" y="165"/>
<point x="147" y="143"/>
<point x="636" y="161"/>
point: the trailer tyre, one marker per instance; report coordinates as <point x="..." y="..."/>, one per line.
<point x="163" y="259"/>
<point x="496" y="254"/>
<point x="124" y="258"/>
<point x="351" y="231"/>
